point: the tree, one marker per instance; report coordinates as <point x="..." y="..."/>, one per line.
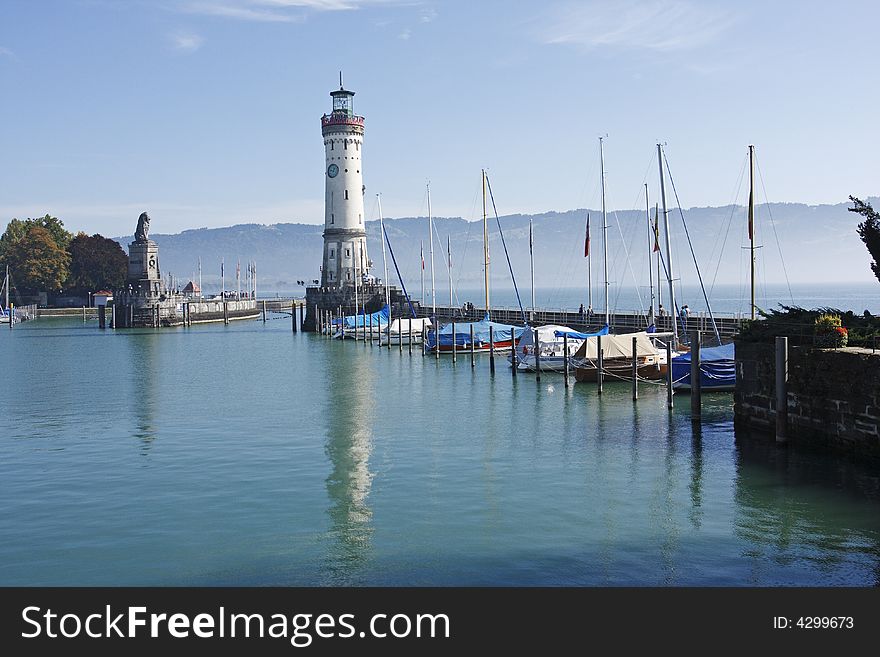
<point x="96" y="263"/>
<point x="37" y="262"/>
<point x="17" y="229"/>
<point x="869" y="231"/>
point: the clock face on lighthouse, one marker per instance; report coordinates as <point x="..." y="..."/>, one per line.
<point x="332" y="170"/>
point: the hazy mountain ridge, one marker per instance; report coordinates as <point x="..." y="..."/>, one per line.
<point x="817" y="242"/>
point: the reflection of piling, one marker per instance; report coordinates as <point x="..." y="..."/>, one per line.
<point x="635" y="366"/>
<point x="669" y="375"/>
<point x="492" y="351"/>
<point x="600" y="353"/>
<point x="472" y="345"/>
<point x="696" y="393"/>
<point x="537" y="351"/>
<point x="781" y="389"/>
<point x="565" y="356"/>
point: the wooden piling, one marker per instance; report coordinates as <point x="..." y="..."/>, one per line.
<point x="600" y="364"/>
<point x="635" y="356"/>
<point x="565" y="352"/>
<point x="669" y="375"/>
<point x="781" y="390"/>
<point x="264" y="311"/>
<point x="102" y="316"/>
<point x="399" y="335"/>
<point x="410" y="335"/>
<point x="424" y="336"/>
<point x="514" y="363"/>
<point x="473" y="362"/>
<point x="696" y="393"/>
<point x="453" y="341"/>
<point x="371" y="329"/>
<point x="537" y="356"/>
<point x="84" y="314"/>
<point x="226" y="312"/>
<point x="491" y="350"/>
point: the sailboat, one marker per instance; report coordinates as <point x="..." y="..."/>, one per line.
<point x="457" y="335"/>
<point x="718" y="364"/>
<point x="5" y="313"/>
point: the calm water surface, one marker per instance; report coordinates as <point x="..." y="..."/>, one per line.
<point x="248" y="455"/>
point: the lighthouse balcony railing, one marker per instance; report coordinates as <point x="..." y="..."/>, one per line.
<point x="342" y="119"/>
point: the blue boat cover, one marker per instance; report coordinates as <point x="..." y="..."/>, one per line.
<point x="717" y="367"/>
<point x="581" y="336"/>
<point x="500" y="332"/>
<point x="380" y="318"/>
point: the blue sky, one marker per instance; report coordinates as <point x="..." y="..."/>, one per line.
<point x="206" y="113"/>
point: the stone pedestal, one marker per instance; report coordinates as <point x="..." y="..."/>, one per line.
<point x="143" y="266"/>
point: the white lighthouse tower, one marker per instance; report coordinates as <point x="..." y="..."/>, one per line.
<point x="345" y="240"/>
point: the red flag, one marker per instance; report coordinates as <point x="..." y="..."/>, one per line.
<point x="656" y="229"/>
<point x="587" y="240"/>
<point x="422" y="253"/>
<point x="751" y="217"/>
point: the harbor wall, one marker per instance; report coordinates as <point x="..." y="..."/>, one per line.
<point x="833" y="396"/>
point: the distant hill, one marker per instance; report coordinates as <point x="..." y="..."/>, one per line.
<point x="819" y="243"/>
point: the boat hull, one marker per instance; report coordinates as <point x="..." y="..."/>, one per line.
<point x="650" y="371"/>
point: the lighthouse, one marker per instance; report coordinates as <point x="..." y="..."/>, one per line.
<point x="345" y="259"/>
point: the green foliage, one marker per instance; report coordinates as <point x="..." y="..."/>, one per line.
<point x="17" y="229"/>
<point x="37" y="262"/>
<point x="869" y="231"/>
<point x="96" y="263"/>
<point x="814" y="327"/>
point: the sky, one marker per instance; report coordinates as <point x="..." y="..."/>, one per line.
<point x="207" y="112"/>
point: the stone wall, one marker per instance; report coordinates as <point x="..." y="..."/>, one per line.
<point x="833" y="396"/>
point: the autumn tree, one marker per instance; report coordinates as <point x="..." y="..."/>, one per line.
<point x="869" y="231"/>
<point x="37" y="262"/>
<point x="18" y="228"/>
<point x="96" y="263"/>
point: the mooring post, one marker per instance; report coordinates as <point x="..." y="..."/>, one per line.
<point x="669" y="375"/>
<point x="399" y="335"/>
<point x="513" y="360"/>
<point x="491" y="351"/>
<point x="565" y="356"/>
<point x="293" y="321"/>
<point x="781" y="389"/>
<point x="537" y="356"/>
<point x="453" y="340"/>
<point x="635" y="370"/>
<point x="436" y="327"/>
<point x="696" y="393"/>
<point x="11" y="315"/>
<point x="599" y="362"/>
<point x="84" y="314"/>
<point x="424" y="336"/>
<point x="410" y="341"/>
<point x="387" y="329"/>
<point x="264" y="311"/>
<point x="113" y="316"/>
<point x="226" y="312"/>
<point x="472" y="345"/>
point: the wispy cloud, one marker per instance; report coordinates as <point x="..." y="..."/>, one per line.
<point x="428" y="15"/>
<point x="186" y="42"/>
<point x="272" y="11"/>
<point x="662" y="25"/>
<point x="405" y="34"/>
<point x="6" y="52"/>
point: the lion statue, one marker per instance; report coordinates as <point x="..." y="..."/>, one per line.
<point x="143" y="228"/>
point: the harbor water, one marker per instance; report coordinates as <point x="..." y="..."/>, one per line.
<point x="250" y="455"/>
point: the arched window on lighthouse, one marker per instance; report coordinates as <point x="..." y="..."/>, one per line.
<point x="346" y="144"/>
<point x="360" y="221"/>
<point x="331" y="144"/>
<point x="346" y="194"/>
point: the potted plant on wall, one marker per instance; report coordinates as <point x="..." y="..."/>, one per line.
<point x="829" y="333"/>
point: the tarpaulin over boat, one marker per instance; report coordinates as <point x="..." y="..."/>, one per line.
<point x="380" y="318"/>
<point x="580" y="336"/>
<point x="414" y="323"/>
<point x="500" y="332"/>
<point x="717" y="369"/>
<point x="617" y="346"/>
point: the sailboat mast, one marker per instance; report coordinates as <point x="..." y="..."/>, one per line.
<point x="384" y="259"/>
<point x="604" y="230"/>
<point x="657" y="242"/>
<point x="449" y="263"/>
<point x="532" y="263"/>
<point x="6" y="287"/>
<point x="650" y="251"/>
<point x="752" y="222"/>
<point x="431" y="241"/>
<point x="672" y="310"/>
<point x="589" y="269"/>
<point x="485" y="244"/>
<point x="422" y="267"/>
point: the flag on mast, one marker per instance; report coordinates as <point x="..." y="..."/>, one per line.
<point x="531" y="243"/>
<point x="587" y="239"/>
<point x="656" y="229"/>
<point x="422" y="254"/>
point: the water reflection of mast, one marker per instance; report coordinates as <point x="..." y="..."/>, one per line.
<point x="349" y="445"/>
